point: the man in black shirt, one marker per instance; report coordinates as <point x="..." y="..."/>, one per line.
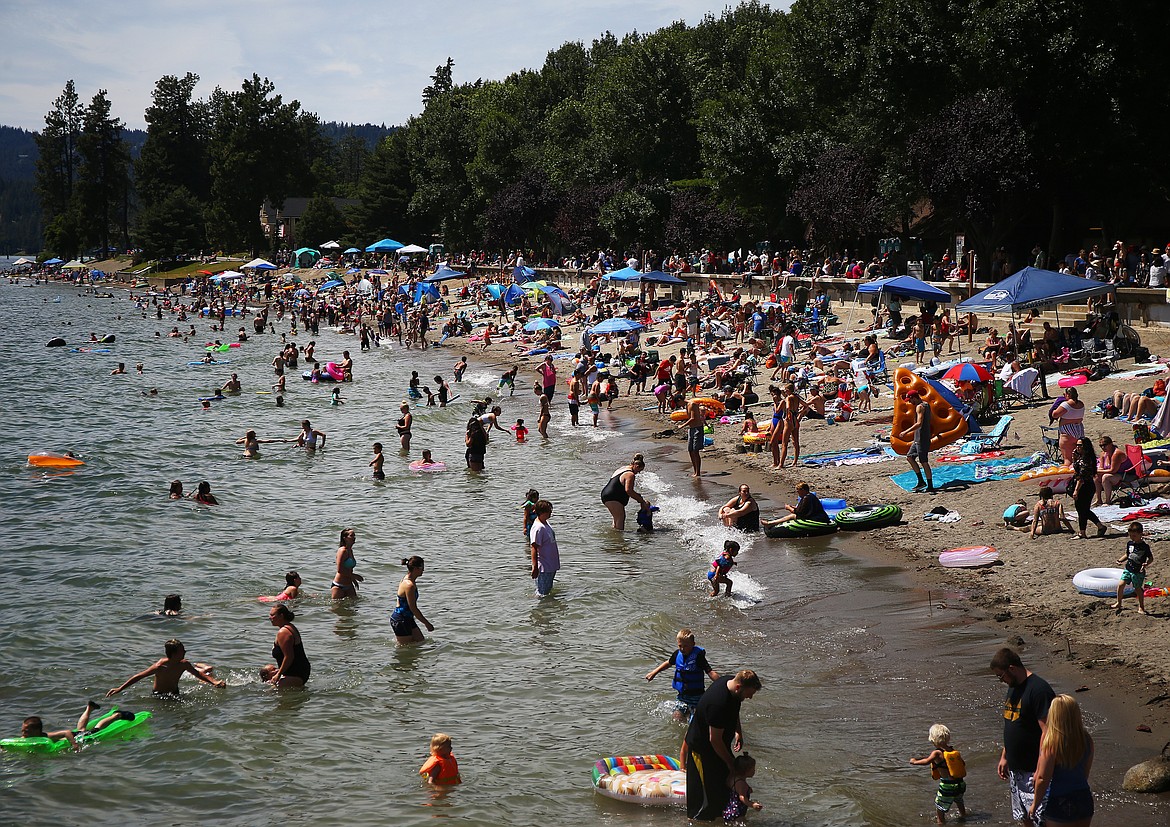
<point x="715" y="731"/>
<point x="1025" y="713"/>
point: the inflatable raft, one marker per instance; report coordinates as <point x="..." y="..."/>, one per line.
<point x="1100" y="582"/>
<point x="865" y="517"/>
<point x="969" y="557"/>
<point x="48" y="459"/>
<point x="793" y="529"/>
<point x="657" y="780"/>
<point x="48" y="746"/>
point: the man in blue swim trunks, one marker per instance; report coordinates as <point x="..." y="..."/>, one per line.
<point x="696" y="419"/>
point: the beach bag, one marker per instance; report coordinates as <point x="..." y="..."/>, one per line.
<point x="1108" y="409"/>
<point x="1141" y="433"/>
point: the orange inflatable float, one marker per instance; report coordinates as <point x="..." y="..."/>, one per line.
<point x="946" y="424"/>
<point x="47" y="459"/>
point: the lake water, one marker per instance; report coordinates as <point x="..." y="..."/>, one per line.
<point x="856" y="664"/>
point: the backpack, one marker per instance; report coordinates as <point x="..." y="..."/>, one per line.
<point x="1108" y="409"/>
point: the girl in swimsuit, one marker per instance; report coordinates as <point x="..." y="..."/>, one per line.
<point x="345" y="582"/>
<point x="292" y="667"/>
<point x="617" y="492"/>
<point x="406" y="613"/>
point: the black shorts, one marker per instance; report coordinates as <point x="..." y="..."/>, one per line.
<point x="695" y="439"/>
<point x="403" y="625"/>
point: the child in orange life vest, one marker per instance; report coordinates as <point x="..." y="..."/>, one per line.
<point x="946" y="765"/>
<point x="521" y="431"/>
<point x="441" y="767"/>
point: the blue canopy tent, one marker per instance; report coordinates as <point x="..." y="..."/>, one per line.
<point x="386" y="245"/>
<point x="351" y="251"/>
<point x="659" y="277"/>
<point x="625" y="274"/>
<point x="906" y="287"/>
<point x="523" y="274"/>
<point x="444" y="273"/>
<point x="428" y="290"/>
<point x="513" y="294"/>
<point x="495" y="290"/>
<point x="306" y="257"/>
<point x="54" y="261"/>
<point x="332" y="284"/>
<point x="1032" y="287"/>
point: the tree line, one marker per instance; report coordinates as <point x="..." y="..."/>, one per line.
<point x="1014" y="121"/>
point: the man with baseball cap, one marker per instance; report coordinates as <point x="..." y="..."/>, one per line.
<point x="918" y="436"/>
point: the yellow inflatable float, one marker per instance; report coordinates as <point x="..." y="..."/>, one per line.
<point x="946" y="424"/>
<point x="47" y="459"/>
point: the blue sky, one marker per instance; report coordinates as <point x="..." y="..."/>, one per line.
<point x="347" y="60"/>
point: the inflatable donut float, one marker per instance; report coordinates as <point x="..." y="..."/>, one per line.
<point x="1100" y="582"/>
<point x="793" y="529"/>
<point x="866" y="517"/>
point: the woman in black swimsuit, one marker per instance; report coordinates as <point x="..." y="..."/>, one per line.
<point x="741" y="511"/>
<point x="476" y="441"/>
<point x="292" y="667"/>
<point x="403" y="426"/>
<point x="617" y="492"/>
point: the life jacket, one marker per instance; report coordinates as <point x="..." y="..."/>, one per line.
<point x="688" y="677"/>
<point x="956" y="766"/>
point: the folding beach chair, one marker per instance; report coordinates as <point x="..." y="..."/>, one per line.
<point x="990" y="440"/>
<point x="1051" y="438"/>
<point x="1139" y="473"/>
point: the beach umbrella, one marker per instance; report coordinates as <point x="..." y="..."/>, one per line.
<point x="55" y="261"/>
<point x="301" y="293"/>
<point x="968" y="372"/>
<point x="617" y="326"/>
<point x="443" y="274"/>
<point x="378" y="272"/>
<point x="625" y="274"/>
<point x="541" y="324"/>
<point x="353" y="270"/>
<point x="386" y="245"/>
<point x="523" y="274"/>
<point x="350" y="251"/>
<point x="332" y="284"/>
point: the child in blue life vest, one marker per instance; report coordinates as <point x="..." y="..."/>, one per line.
<point x="721" y="568"/>
<point x="949" y="769"/>
<point x="690" y="665"/>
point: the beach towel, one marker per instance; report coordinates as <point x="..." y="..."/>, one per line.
<point x="1116" y="513"/>
<point x="996" y="469"/>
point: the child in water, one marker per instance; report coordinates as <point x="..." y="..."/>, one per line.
<point x="690" y="665"/>
<point x="946" y="765"/>
<point x="741" y="794"/>
<point x="721" y="567"/>
<point x="530" y="500"/>
<point x="34" y="727"/>
<point x="377" y="461"/>
<point x="172" y="606"/>
<point x="508" y="380"/>
<point x="521" y="431"/>
<point x="441" y="768"/>
<point x="335" y="397"/>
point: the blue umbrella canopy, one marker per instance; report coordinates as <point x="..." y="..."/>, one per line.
<point x="351" y="250"/>
<point x="386" y="245"/>
<point x="523" y="274"/>
<point x="659" y="277"/>
<point x="624" y="274"/>
<point x="54" y="261"/>
<point x="302" y="293"/>
<point x="541" y="324"/>
<point x="444" y="273"/>
<point x="617" y="326"/>
<point x="332" y="284"/>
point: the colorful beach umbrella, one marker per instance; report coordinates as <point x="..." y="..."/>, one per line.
<point x="541" y="324"/>
<point x="968" y="372"/>
<point x="617" y="326"/>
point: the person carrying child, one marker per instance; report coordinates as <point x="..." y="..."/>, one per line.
<point x="690" y="665"/>
<point x="441" y="768"/>
<point x="1136" y="558"/>
<point x="743" y="768"/>
<point x="721" y="567"/>
<point x="949" y="769"/>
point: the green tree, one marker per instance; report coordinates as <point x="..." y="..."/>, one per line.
<point x="321" y="221"/>
<point x="104" y="175"/>
<point x="171" y="226"/>
<point x="56" y="169"/>
<point x="261" y="149"/>
<point x="175" y="152"/>
<point x="385" y="191"/>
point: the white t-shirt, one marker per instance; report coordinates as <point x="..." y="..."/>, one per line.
<point x="788" y="347"/>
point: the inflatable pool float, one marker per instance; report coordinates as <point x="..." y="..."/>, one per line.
<point x="1047" y="474"/>
<point x="209" y="364"/>
<point x="799" y="528"/>
<point x="48" y="746"/>
<point x="334" y="370"/>
<point x="969" y="557"/>
<point x="419" y="465"/>
<point x="1072" y="381"/>
<point x="90" y="350"/>
<point x="1100" y="582"/>
<point x="657" y="780"/>
<point x="273" y="598"/>
<point x="47" y="459"/>
<point x="865" y="517"/>
<point x="211" y="348"/>
<point x="833" y="507"/>
<point x="758" y="438"/>
<point x="108" y="339"/>
<point x="321" y="377"/>
<point x="57" y="342"/>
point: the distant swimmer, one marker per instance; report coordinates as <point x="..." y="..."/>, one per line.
<point x="203" y="494"/>
<point x="252" y="444"/>
<point x="378" y="461"/>
<point x="172" y="606"/>
<point x="168" y="670"/>
<point x="119" y="370"/>
<point x="232" y="385"/>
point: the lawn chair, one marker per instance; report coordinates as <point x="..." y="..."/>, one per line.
<point x="1139" y="473"/>
<point x="990" y="440"/>
<point x="1051" y="438"/>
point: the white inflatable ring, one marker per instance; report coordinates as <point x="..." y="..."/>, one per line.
<point x="1100" y="582"/>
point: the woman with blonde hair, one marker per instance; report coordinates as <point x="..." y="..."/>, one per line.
<point x="1062" y="772"/>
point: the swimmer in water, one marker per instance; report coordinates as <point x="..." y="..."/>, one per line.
<point x="377" y="462"/>
<point x="168" y="670"/>
<point x="176" y="492"/>
<point x="335" y="397"/>
<point x="203" y="494"/>
<point x="172" y="606"/>
<point x="34" y="727"/>
<point x="252" y="444"/>
<point x="118" y="370"/>
<point x="310" y="438"/>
